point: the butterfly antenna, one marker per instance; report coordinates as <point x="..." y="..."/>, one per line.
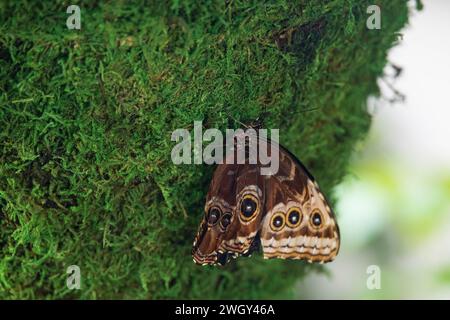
<point x="306" y="110"/>
<point x="240" y="122"/>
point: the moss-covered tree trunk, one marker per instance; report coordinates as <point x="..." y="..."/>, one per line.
<point x="86" y="118"/>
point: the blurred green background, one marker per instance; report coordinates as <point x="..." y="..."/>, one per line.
<point x="394" y="207"/>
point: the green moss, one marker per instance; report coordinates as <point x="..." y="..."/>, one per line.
<point x="86" y="118"/>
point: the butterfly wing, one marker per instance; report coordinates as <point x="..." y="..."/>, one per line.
<point x="285" y="211"/>
<point x="233" y="214"/>
<point x="299" y="223"/>
<point x="248" y="213"/>
<point x="219" y="206"/>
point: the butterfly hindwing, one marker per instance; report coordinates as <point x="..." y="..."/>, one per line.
<point x="299" y="223"/>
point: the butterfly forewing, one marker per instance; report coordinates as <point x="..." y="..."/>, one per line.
<point x="248" y="212"/>
<point x="220" y="204"/>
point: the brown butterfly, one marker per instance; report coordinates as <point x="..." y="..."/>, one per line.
<point x="284" y="213"/>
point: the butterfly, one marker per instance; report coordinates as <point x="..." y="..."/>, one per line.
<point x="285" y="214"/>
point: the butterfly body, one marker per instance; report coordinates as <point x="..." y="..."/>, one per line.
<point x="285" y="213"/>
